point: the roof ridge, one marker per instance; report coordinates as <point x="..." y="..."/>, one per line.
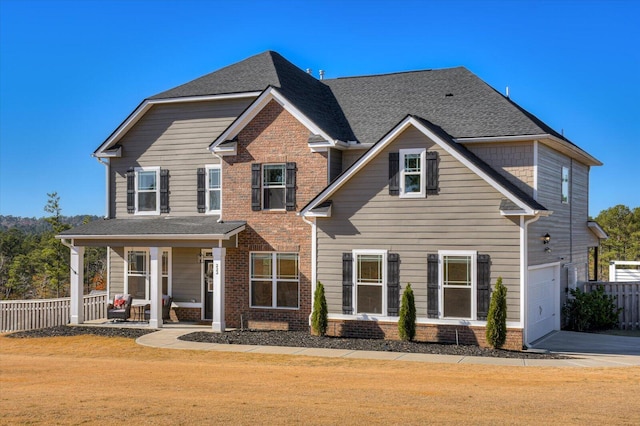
<point x="398" y="73"/>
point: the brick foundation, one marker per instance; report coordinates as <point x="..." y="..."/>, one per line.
<point x="186" y="314"/>
<point x="438" y="333"/>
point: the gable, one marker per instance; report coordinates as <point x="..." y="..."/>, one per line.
<point x="524" y="203"/>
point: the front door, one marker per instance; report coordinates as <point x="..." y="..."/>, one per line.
<point x="207" y="279"/>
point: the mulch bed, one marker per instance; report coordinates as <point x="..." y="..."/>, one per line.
<point x="291" y="338"/>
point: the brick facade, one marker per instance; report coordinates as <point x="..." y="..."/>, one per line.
<point x="273" y="136"/>
<point x="440" y="333"/>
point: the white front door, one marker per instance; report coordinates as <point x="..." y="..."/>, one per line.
<point x="543" y="301"/>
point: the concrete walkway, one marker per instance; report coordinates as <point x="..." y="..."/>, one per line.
<point x="168" y="338"/>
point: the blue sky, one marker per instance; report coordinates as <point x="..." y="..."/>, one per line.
<point x="72" y="71"/>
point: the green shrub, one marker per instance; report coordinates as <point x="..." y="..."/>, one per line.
<point x="591" y="311"/>
<point x="496" y="333"/>
<point x="319" y="316"/>
<point x="407" y="321"/>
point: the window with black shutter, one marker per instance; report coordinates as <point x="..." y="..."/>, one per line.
<point x="432" y="286"/>
<point x="483" y="286"/>
<point x="256" y="169"/>
<point x="202" y="207"/>
<point x="291" y="186"/>
<point x="394" y="170"/>
<point x="393" y="284"/>
<point x="164" y="191"/>
<point x="347" y="283"/>
<point x="131" y="190"/>
<point x="432" y="173"/>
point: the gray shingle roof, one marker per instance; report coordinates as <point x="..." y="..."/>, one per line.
<point x="157" y="226"/>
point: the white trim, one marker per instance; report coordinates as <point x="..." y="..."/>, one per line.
<point x="271" y="93"/>
<point x="524" y="274"/>
<point x="226" y="150"/>
<point x="139" y="112"/>
<point x="155" y="212"/>
<point x="423" y="172"/>
<point x="597" y="230"/>
<point x="147" y="276"/>
<point x="473" y="255"/>
<point x="283" y="187"/>
<point x="383" y="284"/>
<point x="535" y="169"/>
<point x="565" y="170"/>
<point x="377" y="148"/>
<point x="207" y="168"/>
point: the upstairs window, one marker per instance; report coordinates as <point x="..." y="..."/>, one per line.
<point x="565" y="185"/>
<point x="147" y="190"/>
<point x="214" y="189"/>
<point x="412" y="173"/>
<point x="273" y="186"/>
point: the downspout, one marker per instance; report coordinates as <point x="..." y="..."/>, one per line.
<point x="107" y="164"/>
<point x="524" y="276"/>
<point x="314" y="255"/>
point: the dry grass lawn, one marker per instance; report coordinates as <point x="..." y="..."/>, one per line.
<point x="96" y="380"/>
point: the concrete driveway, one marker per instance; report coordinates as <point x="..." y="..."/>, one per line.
<point x="589" y="343"/>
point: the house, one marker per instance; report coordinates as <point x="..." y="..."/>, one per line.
<point x="237" y="192"/>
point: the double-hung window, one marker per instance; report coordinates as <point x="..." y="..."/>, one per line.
<point x="458" y="284"/>
<point x="214" y="189"/>
<point x="275" y="280"/>
<point x="369" y="278"/>
<point x="273" y="186"/>
<point x="565" y="185"/>
<point x="412" y="173"/>
<point x="147" y="199"/>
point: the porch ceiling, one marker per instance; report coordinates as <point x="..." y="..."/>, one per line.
<point x="158" y="228"/>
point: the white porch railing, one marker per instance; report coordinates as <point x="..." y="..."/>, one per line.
<point x="627" y="297"/>
<point x="18" y="315"/>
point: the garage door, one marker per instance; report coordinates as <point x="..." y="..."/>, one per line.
<point x="543" y="301"/>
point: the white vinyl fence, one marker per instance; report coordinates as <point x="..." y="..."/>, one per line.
<point x="18" y="315"/>
<point x="629" y="274"/>
<point x="627" y="295"/>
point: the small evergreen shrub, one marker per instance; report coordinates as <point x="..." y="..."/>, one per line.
<point x="407" y="321"/>
<point x="319" y="316"/>
<point x="591" y="311"/>
<point x="496" y="333"/>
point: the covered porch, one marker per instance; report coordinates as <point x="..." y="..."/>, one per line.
<point x="144" y="244"/>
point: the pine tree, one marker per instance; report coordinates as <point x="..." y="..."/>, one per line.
<point x="497" y="319"/>
<point x="407" y="321"/>
<point x="319" y="318"/>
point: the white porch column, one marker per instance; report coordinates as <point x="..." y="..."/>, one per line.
<point x="218" y="324"/>
<point x="77" y="287"/>
<point x="155" y="287"/>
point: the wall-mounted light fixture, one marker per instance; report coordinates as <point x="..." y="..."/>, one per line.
<point x="545" y="240"/>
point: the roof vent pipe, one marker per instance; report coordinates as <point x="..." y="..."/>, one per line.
<point x="308" y="70"/>
<point x="321" y="74"/>
<point x="507" y="91"/>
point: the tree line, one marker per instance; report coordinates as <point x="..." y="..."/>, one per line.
<point x="35" y="265"/>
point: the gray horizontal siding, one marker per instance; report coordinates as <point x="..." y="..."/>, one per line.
<point x="116" y="271"/>
<point x="463" y="216"/>
<point x="186" y="280"/>
<point x="173" y="137"/>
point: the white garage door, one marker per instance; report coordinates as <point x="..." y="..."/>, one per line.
<point x="543" y="301"/>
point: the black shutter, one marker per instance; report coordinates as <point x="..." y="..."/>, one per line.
<point x="393" y="284"/>
<point x="394" y="167"/>
<point x="432" y="173"/>
<point x="164" y="191"/>
<point x="484" y="286"/>
<point x="347" y="283"/>
<point x="202" y="205"/>
<point x="432" y="286"/>
<point x="256" y="168"/>
<point x="291" y="186"/>
<point x="131" y="190"/>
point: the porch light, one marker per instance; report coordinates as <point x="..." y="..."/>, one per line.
<point x="546" y="238"/>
